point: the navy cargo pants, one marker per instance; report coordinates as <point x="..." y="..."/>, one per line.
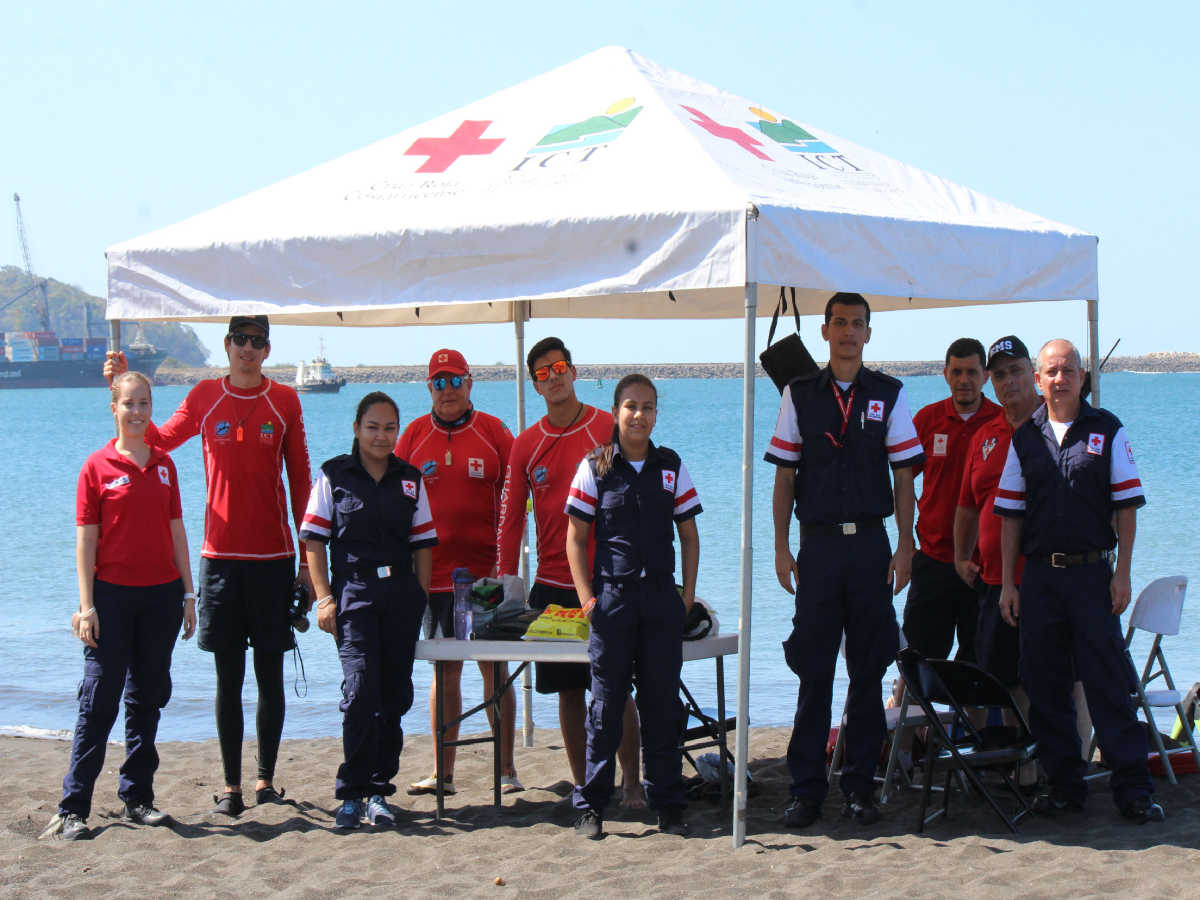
<point x="379" y="622"/>
<point x="1068" y="631"/>
<point x="637" y="637"/>
<point x="138" y="627"/>
<point x="842" y="587"/>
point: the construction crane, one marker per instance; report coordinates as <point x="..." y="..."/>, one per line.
<point x="42" y="302"/>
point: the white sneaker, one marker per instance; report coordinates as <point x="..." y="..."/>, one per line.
<point x="428" y="785"/>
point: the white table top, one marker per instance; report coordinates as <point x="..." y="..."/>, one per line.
<point x="447" y="649"/>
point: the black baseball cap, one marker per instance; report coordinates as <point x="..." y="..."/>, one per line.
<point x="1009" y="347"/>
<point x="257" y="321"/>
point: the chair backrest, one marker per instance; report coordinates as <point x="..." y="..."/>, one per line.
<point x="1159" y="606"/>
<point x="959" y="685"/>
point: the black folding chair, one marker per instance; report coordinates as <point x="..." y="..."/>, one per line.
<point x="960" y="746"/>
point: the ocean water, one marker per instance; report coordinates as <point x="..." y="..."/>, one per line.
<point x="46" y="434"/>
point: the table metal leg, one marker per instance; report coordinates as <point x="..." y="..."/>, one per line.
<point x="439" y="738"/>
<point x="721" y="734"/>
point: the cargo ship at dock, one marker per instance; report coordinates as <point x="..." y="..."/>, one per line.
<point x="40" y="359"/>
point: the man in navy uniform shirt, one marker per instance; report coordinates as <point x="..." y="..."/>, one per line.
<point x="1069" y="476"/>
<point x="838" y="431"/>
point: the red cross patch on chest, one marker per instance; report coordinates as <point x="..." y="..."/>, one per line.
<point x="939" y="444"/>
<point x="410" y="489"/>
<point x="164" y="475"/>
<point x="875" y="410"/>
<point x="1095" y="445"/>
<point x="475" y="467"/>
<point x="668" y="481"/>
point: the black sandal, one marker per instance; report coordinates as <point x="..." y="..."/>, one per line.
<point x="268" y="794"/>
<point x="230" y="804"/>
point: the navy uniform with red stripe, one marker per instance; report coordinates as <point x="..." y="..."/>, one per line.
<point x="840" y="441"/>
<point x="1066" y="495"/>
<point x="372" y="530"/>
<point x="637" y="623"/>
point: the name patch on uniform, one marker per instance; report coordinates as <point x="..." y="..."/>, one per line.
<point x="164" y="475"/>
<point x="875" y="410"/>
<point x="1095" y="444"/>
<point x="410" y="489"/>
<point x="474" y="467"/>
<point x="118" y="482"/>
<point x="988" y="446"/>
<point x="668" y="480"/>
<point x="939" y="444"/>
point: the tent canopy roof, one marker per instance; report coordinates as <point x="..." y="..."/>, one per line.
<point x="607" y="188"/>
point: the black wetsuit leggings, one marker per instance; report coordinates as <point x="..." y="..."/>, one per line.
<point x="231" y="672"/>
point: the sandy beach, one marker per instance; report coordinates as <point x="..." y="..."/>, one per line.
<point x="292" y="848"/>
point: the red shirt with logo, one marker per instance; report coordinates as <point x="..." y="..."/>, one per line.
<point x="945" y="437"/>
<point x="134" y="507"/>
<point x="249" y="435"/>
<point x="462" y="468"/>
<point x="981" y="476"/>
<point x="543" y="462"/>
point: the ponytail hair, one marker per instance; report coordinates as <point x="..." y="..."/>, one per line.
<point x="366" y="403"/>
<point x="604" y="455"/>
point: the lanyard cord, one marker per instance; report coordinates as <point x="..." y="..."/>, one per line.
<point x="844" y="407"/>
<point x="557" y="438"/>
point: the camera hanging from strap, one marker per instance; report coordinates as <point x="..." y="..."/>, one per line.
<point x="788" y="359"/>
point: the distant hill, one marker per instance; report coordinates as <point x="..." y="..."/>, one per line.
<point x="66" y="317"/>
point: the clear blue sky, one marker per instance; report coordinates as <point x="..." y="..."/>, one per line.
<point x="121" y="118"/>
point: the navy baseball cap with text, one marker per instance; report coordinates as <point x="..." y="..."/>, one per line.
<point x="1009" y="347"/>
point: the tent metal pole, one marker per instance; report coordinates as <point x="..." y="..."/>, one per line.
<point x="741" y="749"/>
<point x="114" y="344"/>
<point x="520" y="312"/>
<point x="1093" y="316"/>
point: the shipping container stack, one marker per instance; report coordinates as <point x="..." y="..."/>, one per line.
<point x="96" y="347"/>
<point x="71" y="348"/>
<point x="47" y="345"/>
<point x="20" y="346"/>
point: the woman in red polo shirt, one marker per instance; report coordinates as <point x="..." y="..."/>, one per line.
<point x="135" y="589"/>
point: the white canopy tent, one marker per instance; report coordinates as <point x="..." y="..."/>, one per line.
<point x="607" y="188"/>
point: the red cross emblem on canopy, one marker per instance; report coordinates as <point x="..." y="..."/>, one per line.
<point x="728" y="132"/>
<point x="467" y="140"/>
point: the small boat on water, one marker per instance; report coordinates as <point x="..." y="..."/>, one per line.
<point x="317" y="376"/>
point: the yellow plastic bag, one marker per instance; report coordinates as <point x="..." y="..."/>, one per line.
<point x="557" y="623"/>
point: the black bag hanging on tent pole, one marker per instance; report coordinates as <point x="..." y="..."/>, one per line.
<point x="789" y="358"/>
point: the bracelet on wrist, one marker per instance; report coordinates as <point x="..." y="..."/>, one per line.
<point x="589" y="606"/>
<point x="324" y="601"/>
<point x="189" y="595"/>
<point x="86" y="615"/>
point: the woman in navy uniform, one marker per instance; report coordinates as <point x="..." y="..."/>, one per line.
<point x="633" y="491"/>
<point x="135" y="590"/>
<point x="370" y="508"/>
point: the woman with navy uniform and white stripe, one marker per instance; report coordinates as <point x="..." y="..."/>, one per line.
<point x="371" y="509"/>
<point x="632" y="492"/>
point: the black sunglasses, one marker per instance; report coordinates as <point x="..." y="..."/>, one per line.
<point x="439" y="383"/>
<point x="257" y="341"/>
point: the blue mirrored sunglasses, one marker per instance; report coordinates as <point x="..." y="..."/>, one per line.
<point x="439" y="383"/>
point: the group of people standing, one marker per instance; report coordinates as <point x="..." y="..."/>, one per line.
<point x="383" y="528"/>
<point x="1026" y="524"/>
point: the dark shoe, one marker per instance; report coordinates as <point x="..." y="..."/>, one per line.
<point x="66" y="827"/>
<point x="145" y="814"/>
<point x="1142" y="810"/>
<point x="861" y="807"/>
<point x="230" y="804"/>
<point x="671" y="822"/>
<point x="1051" y="804"/>
<point x="350" y="814"/>
<point x="801" y="812"/>
<point x="379" y="813"/>
<point x="268" y="795"/>
<point x="590" y="826"/>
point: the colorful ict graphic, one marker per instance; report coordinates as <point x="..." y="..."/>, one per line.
<point x="788" y="133"/>
<point x="467" y="140"/>
<point x="590" y="132"/>
<point x="727" y="132"/>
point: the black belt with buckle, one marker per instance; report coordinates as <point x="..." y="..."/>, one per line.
<point x="1068" y="560"/>
<point x="840" y="528"/>
<point x="364" y="572"/>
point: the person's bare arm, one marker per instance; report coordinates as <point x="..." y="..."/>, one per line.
<point x="577" y="535"/>
<point x="179" y="547"/>
<point x="318" y="570"/>
<point x="1119" y="587"/>
<point x="86" y="622"/>
<point x="689" y="550"/>
<point x="423" y="567"/>
<point x="783" y="499"/>
<point x="900" y="568"/>
<point x="966" y="537"/>
<point x="1010" y="552"/>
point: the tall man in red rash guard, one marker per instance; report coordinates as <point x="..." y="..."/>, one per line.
<point x="544" y="460"/>
<point x="938" y="602"/>
<point x="462" y="454"/>
<point x="251" y="427"/>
